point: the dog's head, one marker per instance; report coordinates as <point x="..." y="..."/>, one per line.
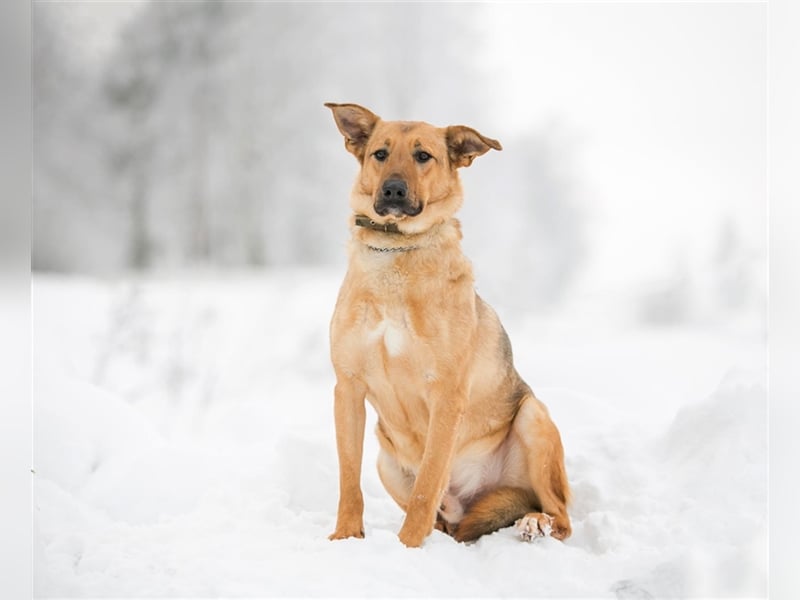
<point x="408" y="169"/>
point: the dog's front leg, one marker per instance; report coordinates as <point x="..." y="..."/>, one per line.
<point x="350" y="416"/>
<point x="434" y="472"/>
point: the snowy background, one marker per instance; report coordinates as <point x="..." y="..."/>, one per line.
<point x="190" y="194"/>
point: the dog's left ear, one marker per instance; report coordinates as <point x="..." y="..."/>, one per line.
<point x="356" y="124"/>
<point x="464" y="144"/>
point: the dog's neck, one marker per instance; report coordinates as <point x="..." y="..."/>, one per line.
<point x="415" y="262"/>
<point x="387" y="238"/>
<point x="390" y="229"/>
<point x="364" y="221"/>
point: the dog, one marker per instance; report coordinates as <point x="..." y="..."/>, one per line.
<point x="465" y="446"/>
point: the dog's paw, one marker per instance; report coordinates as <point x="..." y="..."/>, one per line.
<point x="533" y="526"/>
<point x="412" y="536"/>
<point x="343" y="533"/>
<point x="451" y="509"/>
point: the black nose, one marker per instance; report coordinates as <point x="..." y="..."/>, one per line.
<point x="394" y="199"/>
<point x="394" y="191"/>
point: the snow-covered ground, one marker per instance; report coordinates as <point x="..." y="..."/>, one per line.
<point x="184" y="446"/>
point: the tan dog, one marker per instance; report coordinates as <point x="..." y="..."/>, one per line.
<point x="465" y="445"/>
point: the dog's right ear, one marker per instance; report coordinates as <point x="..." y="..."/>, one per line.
<point x="356" y="124"/>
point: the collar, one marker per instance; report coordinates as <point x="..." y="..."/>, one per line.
<point x="366" y="222"/>
<point x="393" y="249"/>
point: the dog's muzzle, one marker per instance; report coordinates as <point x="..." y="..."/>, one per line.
<point x="393" y="199"/>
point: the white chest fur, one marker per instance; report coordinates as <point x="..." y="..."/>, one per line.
<point x="393" y="334"/>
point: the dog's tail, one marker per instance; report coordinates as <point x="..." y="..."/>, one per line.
<point x="494" y="510"/>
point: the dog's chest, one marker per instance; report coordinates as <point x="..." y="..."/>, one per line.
<point x="385" y="325"/>
<point x="392" y="334"/>
<point x="394" y="328"/>
<point x="389" y="352"/>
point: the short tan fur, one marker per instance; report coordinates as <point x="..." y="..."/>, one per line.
<point x="465" y="446"/>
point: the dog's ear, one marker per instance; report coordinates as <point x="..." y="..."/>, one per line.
<point x="464" y="144"/>
<point x="356" y="124"/>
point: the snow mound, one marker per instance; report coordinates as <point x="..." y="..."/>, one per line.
<point x="79" y="426"/>
<point x="722" y="441"/>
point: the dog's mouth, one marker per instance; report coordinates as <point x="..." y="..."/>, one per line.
<point x="396" y="209"/>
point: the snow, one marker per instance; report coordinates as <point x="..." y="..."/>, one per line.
<point x="184" y="446"/>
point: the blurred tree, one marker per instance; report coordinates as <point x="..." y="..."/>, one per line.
<point x="131" y="92"/>
<point x="233" y="87"/>
<point x="214" y="144"/>
<point x="72" y="222"/>
<point x="162" y="84"/>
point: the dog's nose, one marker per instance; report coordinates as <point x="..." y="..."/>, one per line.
<point x="394" y="191"/>
<point x="394" y="199"/>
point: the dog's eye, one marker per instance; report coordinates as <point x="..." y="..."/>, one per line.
<point x="380" y="155"/>
<point x="422" y="157"/>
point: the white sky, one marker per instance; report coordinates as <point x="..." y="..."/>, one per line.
<point x="668" y="102"/>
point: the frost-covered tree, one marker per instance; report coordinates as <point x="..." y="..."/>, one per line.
<point x="164" y="87"/>
<point x="208" y="140"/>
<point x="71" y="219"/>
<point x="230" y="147"/>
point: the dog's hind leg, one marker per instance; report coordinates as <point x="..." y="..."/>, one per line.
<point x="398" y="481"/>
<point x="494" y="510"/>
<point x="545" y="466"/>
